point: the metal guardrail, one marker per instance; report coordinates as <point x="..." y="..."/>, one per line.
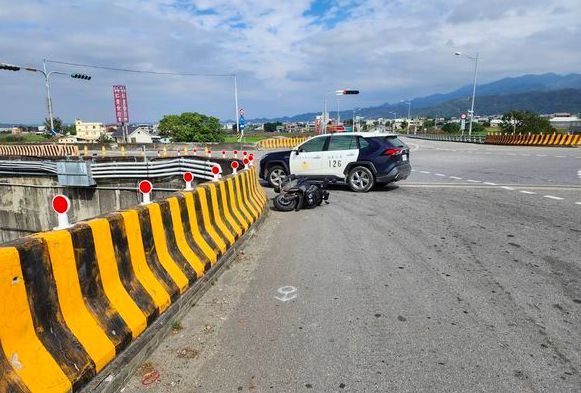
<point x="71" y="169"/>
<point x="451" y="138"/>
<point x="37" y="168"/>
<point x="161" y="168"/>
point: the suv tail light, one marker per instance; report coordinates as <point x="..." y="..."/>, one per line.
<point x="392" y="152"/>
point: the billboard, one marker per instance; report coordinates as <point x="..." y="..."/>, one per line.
<point x="120" y="98"/>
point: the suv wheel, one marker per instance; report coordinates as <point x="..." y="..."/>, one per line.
<point x="360" y="179"/>
<point x="276" y="175"/>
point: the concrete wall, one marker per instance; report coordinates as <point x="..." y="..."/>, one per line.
<point x="25" y="202"/>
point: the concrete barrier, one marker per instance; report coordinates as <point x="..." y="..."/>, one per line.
<point x="535" y="140"/>
<point x="278" y="143"/>
<point x="39" y="150"/>
<point x="72" y="300"/>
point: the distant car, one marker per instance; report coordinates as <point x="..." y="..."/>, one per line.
<point x="360" y="159"/>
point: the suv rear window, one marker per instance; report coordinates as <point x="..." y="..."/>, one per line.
<point x="392" y="141"/>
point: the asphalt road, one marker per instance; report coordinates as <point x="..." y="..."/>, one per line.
<point x="464" y="278"/>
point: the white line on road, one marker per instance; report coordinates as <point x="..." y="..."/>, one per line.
<point x="541" y="155"/>
<point x="528" y="192"/>
<point x="507" y="188"/>
<point x="426" y="172"/>
<point x="490" y="184"/>
<point x="455" y="177"/>
<point x="440" y="174"/>
<point x="561" y="156"/>
<point x="474" y="181"/>
<point x="553" y="197"/>
<point x="578" y="203"/>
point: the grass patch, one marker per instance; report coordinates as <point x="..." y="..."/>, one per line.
<point x="24" y="138"/>
<point x="176" y="327"/>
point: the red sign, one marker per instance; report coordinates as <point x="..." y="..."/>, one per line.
<point x="120" y="98"/>
<point x="215" y="170"/>
<point x="61" y="204"/>
<point x="145" y="186"/>
<point x="188" y="177"/>
<point x="234" y="164"/>
<point x="463" y="116"/>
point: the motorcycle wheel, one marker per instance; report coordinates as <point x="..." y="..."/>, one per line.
<point x="284" y="203"/>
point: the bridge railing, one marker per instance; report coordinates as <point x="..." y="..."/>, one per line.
<point x="450" y="138"/>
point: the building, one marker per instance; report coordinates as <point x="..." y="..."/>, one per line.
<point x="139" y="134"/>
<point x="68" y="139"/>
<point x="88" y="132"/>
<point x="564" y="122"/>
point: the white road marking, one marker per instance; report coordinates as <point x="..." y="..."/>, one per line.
<point x="413" y="170"/>
<point x="474" y="181"/>
<point x="440" y="174"/>
<point x="561" y="156"/>
<point x="288" y="293"/>
<point x="553" y="197"/>
<point x="426" y="172"/>
<point x="578" y="203"/>
<point x="507" y="188"/>
<point x="541" y="155"/>
<point x="490" y="184"/>
<point x="528" y="192"/>
<point x="455" y="177"/>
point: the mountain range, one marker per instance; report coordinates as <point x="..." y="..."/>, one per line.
<point x="541" y="93"/>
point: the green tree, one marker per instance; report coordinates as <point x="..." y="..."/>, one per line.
<point x="69" y="130"/>
<point x="404" y="125"/>
<point x="271" y="127"/>
<point x="451" y="128"/>
<point x="429" y="123"/>
<point x="191" y="127"/>
<point x="58" y="124"/>
<point x="523" y="122"/>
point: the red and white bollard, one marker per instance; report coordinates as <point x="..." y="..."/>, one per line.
<point x="235" y="153"/>
<point x="244" y="154"/>
<point x="178" y="152"/>
<point x="223" y="153"/>
<point x="195" y="151"/>
<point x="216" y="172"/>
<point x="145" y="188"/>
<point x="61" y="205"/>
<point x="251" y="159"/>
<point x="234" y="165"/>
<point x="158" y="153"/>
<point x="209" y="153"/>
<point x="188" y="178"/>
<point x="245" y="162"/>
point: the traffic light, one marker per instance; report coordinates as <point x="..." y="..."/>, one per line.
<point x="350" y="91"/>
<point x="9" y="67"/>
<point x="81" y="76"/>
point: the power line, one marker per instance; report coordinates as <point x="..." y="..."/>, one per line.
<point x="137" y="71"/>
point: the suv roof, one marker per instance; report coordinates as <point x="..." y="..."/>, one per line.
<point x="359" y="133"/>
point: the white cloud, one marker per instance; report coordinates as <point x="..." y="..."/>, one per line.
<point x="285" y="58"/>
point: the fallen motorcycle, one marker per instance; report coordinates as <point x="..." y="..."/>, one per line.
<point x="295" y="193"/>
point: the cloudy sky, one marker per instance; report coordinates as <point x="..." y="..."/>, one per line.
<point x="286" y="53"/>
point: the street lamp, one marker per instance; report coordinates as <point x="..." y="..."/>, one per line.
<point x="337" y="93"/>
<point x="46" y="75"/>
<point x="475" y="60"/>
<point x="409" y="104"/>
<point x="394" y="119"/>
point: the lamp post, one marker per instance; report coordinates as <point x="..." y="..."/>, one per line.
<point x="46" y="75"/>
<point x="409" y="104"/>
<point x="394" y="118"/>
<point x="337" y="93"/>
<point x="475" y="60"/>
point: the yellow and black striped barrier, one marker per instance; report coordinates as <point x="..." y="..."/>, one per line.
<point x="72" y="300"/>
<point x="278" y="143"/>
<point x="39" y="150"/>
<point x="535" y="139"/>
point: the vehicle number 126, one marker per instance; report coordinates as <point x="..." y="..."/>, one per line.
<point x="334" y="163"/>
